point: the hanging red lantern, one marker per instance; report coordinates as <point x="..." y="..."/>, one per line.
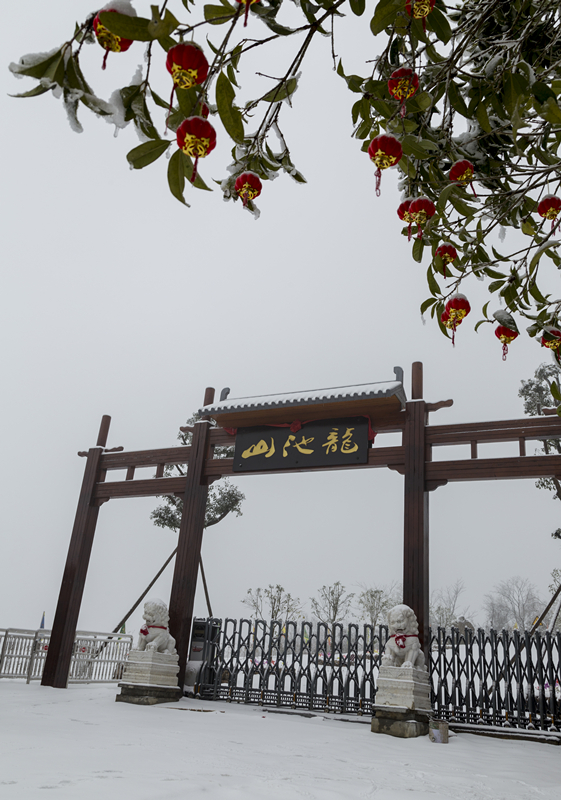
<point x="447" y="253"/>
<point x="462" y="172"/>
<point x="421" y="209"/>
<point x="419" y="9"/>
<point x="404" y="214"/>
<point x="402" y="85"/>
<point x="248" y="186"/>
<point x="551" y="338"/>
<point x="247" y="4"/>
<point x="506" y="336"/>
<point x="109" y="41"/>
<point x="455" y="310"/>
<point x="385" y="151"/>
<point x="549" y="208"/>
<point x="187" y="65"/>
<point x="197" y="138"/>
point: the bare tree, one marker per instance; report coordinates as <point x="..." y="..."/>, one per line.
<point x="332" y="604"/>
<point x="443" y="609"/>
<point x="375" y="602"/>
<point x="282" y="606"/>
<point x="513" y="603"/>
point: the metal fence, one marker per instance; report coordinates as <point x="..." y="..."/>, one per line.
<point x="96" y="657"/>
<point x="508" y="679"/>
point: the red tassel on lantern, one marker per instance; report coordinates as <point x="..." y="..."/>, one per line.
<point x="403" y="213"/>
<point x="549" y="208"/>
<point x="421" y="210"/>
<point x="197" y="138"/>
<point x="247" y="4"/>
<point x="248" y="186"/>
<point x="447" y="253"/>
<point x="402" y="85"/>
<point x="109" y="41"/>
<point x="506" y="336"/>
<point x="462" y="172"/>
<point x="455" y="310"/>
<point x="385" y="151"/>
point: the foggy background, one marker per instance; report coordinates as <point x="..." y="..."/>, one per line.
<point x="118" y="300"/>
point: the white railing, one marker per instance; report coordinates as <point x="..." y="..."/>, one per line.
<point x="96" y="657"/>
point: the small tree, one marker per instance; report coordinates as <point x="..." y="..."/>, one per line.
<point x="443" y="609"/>
<point x="332" y="604"/>
<point x="282" y="606"/>
<point x="513" y="603"/>
<point x="375" y="602"/>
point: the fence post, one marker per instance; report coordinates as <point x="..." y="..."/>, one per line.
<point x="32" y="657"/>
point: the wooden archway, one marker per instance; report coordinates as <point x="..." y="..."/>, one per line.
<point x="388" y="411"/>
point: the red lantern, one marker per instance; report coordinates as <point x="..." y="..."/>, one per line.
<point x="187" y="65"/>
<point x="551" y="338"/>
<point x="247" y="4"/>
<point x="109" y="41"/>
<point x="419" y="8"/>
<point x="402" y="85"/>
<point x="455" y="310"/>
<point x="197" y="138"/>
<point x="447" y="253"/>
<point x="549" y="208"/>
<point x="421" y="210"/>
<point x="506" y="336"/>
<point x="248" y="186"/>
<point x="385" y="151"/>
<point x="462" y="172"/>
<point x="404" y="214"/>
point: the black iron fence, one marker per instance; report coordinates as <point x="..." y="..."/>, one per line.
<point x="506" y="678"/>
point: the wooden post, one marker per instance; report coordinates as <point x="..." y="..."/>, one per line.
<point x="59" y="655"/>
<point x="416" y="517"/>
<point x="184" y="584"/>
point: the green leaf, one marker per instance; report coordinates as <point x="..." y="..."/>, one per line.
<point x="412" y="147"/>
<point x="456" y="100"/>
<point x="515" y="86"/>
<point x="146" y="153"/>
<point x="188" y="99"/>
<point x="480" y="323"/>
<point x="40" y="89"/>
<point x="176" y="176"/>
<point x="158" y="100"/>
<point x="437" y="22"/>
<point x="162" y="28"/>
<point x="358" y="6"/>
<point x="461" y="206"/>
<point x="554" y="387"/>
<point x="218" y="15"/>
<point x="483" y="117"/>
<point x="384" y="15"/>
<point x="506" y="319"/>
<point x="527" y="228"/>
<point x="444" y="196"/>
<point x="428" y="303"/>
<point x="420" y="102"/>
<point x="229" y="114"/>
<point x="127" y="27"/>
<point x="37" y="70"/>
<point x="188" y="170"/>
<point x="484" y="309"/>
<point x="281" y="91"/>
<point x="496" y="285"/>
<point x="493" y="273"/>
<point x="551" y="112"/>
<point x="418" y="250"/>
<point x="541" y="92"/>
<point x="431" y="280"/>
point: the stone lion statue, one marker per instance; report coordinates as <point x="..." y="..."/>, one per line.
<point x="155" y="635"/>
<point x="403" y="648"/>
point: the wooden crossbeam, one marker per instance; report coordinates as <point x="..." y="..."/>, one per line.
<point x="485" y="469"/>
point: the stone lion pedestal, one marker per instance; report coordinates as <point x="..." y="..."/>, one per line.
<point x="150" y="674"/>
<point x="403" y="706"/>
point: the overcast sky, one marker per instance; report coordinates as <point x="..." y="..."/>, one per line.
<point x="118" y="300"/>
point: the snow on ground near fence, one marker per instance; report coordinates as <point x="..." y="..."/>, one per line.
<point x="80" y="743"/>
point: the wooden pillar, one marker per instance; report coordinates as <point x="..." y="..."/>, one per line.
<point x="57" y="664"/>
<point x="184" y="584"/>
<point x="416" y="517"/>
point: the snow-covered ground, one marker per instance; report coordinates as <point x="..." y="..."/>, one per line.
<point x="79" y="743"/>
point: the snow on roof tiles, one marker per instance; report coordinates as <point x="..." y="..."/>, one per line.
<point x="363" y="391"/>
